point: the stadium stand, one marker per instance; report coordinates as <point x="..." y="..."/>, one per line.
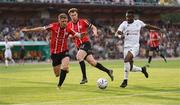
<point x="106" y="46"/>
<point x="101" y="2"/>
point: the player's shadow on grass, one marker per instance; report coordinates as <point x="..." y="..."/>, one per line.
<point x="39" y="83"/>
<point x="155" y="92"/>
<point x="155" y="89"/>
<point x="158" y="97"/>
<point x="95" y="89"/>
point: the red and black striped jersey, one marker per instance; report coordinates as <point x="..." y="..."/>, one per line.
<point x="59" y="37"/>
<point x="81" y="26"/>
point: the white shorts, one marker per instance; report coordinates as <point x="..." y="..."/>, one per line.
<point x="8" y="54"/>
<point x="133" y="50"/>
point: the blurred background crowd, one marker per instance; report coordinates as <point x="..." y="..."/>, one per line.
<point x="106" y="46"/>
<point x="122" y="2"/>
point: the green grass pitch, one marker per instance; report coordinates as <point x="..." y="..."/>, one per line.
<point x="35" y="84"/>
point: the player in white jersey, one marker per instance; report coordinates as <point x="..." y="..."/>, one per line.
<point x="129" y="30"/>
<point x="7" y="53"/>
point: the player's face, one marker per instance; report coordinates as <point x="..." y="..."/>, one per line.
<point x="129" y="17"/>
<point x="63" y="22"/>
<point x="74" y="16"/>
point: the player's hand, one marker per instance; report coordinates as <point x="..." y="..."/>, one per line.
<point x="72" y="37"/>
<point x="120" y="36"/>
<point x="77" y="34"/>
<point x="95" y="34"/>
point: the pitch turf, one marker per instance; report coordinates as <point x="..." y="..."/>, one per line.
<point x="35" y="84"/>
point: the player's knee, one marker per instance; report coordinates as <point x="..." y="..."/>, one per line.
<point x="126" y="60"/>
<point x="127" y="66"/>
<point x="56" y="72"/>
<point x="79" y="58"/>
<point x="150" y="53"/>
<point x="65" y="68"/>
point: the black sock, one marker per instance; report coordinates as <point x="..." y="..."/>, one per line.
<point x="83" y="69"/>
<point x="101" y="67"/>
<point x="162" y="56"/>
<point x="62" y="77"/>
<point x="149" y="60"/>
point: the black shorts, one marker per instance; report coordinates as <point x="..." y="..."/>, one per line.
<point x="57" y="58"/>
<point x="154" y="49"/>
<point x="86" y="46"/>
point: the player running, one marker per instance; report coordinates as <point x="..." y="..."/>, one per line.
<point x="129" y="30"/>
<point x="79" y="30"/>
<point x="58" y="46"/>
<point x="8" y="53"/>
<point x="22" y="54"/>
<point x="153" y="43"/>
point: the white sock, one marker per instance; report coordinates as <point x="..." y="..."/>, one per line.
<point x="126" y="70"/>
<point x="136" y="69"/>
<point x="6" y="62"/>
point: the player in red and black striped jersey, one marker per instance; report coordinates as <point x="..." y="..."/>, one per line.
<point x="58" y="46"/>
<point x="79" y="28"/>
<point x="153" y="43"/>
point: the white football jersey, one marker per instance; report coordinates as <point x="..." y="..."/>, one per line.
<point x="131" y="32"/>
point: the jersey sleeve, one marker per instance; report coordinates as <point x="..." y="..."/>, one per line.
<point x="141" y="23"/>
<point x="87" y="23"/>
<point x="69" y="29"/>
<point x="121" y="27"/>
<point x="48" y="27"/>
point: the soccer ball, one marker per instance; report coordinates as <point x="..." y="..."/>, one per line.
<point x="102" y="83"/>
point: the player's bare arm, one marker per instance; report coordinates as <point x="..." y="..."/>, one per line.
<point x="80" y="35"/>
<point x="94" y="29"/>
<point x="33" y="29"/>
<point x="151" y="27"/>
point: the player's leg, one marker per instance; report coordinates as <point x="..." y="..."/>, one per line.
<point x="10" y="56"/>
<point x="161" y="54"/>
<point x="90" y="59"/>
<point x="21" y="59"/>
<point x="6" y="58"/>
<point x="80" y="57"/>
<point x="150" y="56"/>
<point x="134" y="52"/>
<point x="56" y="64"/>
<point x="127" y="66"/>
<point x="64" y="70"/>
<point x="6" y="62"/>
<point x="57" y="70"/>
<point x="140" y="69"/>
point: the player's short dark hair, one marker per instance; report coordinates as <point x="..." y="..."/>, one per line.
<point x="62" y="16"/>
<point x="130" y="12"/>
<point x="72" y="10"/>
